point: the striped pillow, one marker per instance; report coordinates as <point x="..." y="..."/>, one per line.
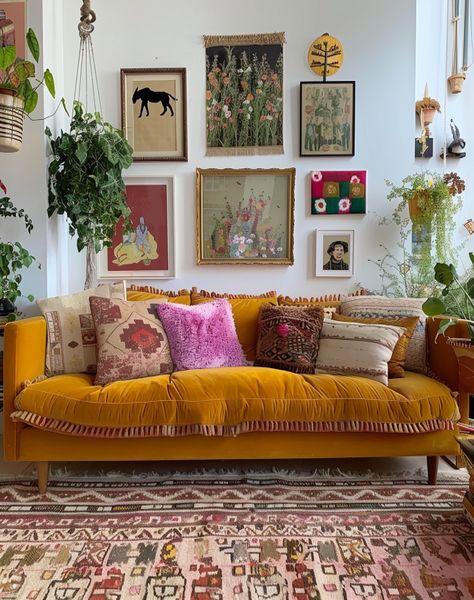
<point x="357" y="349"/>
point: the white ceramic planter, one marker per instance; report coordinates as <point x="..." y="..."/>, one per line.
<point x="11" y="122"/>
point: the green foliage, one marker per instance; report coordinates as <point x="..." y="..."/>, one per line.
<point x="425" y="238"/>
<point x="457" y="296"/>
<point x="15" y="73"/>
<point x="13" y="256"/>
<point x="85" y="178"/>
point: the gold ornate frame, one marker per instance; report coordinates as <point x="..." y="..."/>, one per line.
<point x="252" y="211"/>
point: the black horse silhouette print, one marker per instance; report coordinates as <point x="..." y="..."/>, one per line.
<point x="146" y="95"/>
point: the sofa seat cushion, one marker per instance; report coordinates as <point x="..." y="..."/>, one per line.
<point x="234" y="400"/>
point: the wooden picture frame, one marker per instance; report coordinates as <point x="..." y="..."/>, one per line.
<point x="147" y="249"/>
<point x="334" y="253"/>
<point x="154" y="112"/>
<point x="327" y="118"/>
<point x="245" y="216"/>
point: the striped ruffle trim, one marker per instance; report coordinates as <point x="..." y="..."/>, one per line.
<point x="64" y="427"/>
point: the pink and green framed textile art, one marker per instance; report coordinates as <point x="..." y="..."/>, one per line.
<point x="245" y="216"/>
<point x="338" y="192"/>
<point x="327" y="118"/>
<point x="244" y="94"/>
<point x="154" y="113"/>
<point x="145" y="247"/>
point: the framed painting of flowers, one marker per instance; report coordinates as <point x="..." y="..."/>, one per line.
<point x="327" y="118"/>
<point x="338" y="192"/>
<point x="244" y="94"/>
<point x="245" y="216"/>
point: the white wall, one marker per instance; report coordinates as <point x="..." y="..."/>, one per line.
<point x="380" y="41"/>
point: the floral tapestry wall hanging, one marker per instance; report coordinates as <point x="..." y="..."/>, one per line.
<point x="244" y="94"/>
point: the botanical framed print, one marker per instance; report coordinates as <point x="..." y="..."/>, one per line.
<point x="145" y="249"/>
<point x="338" y="192"/>
<point x="154" y="113"/>
<point x="327" y="118"/>
<point x="334" y="253"/>
<point x="244" y="94"/>
<point x="245" y="216"/>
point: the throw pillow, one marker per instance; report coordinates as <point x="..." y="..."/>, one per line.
<point x="131" y="341"/>
<point x="397" y="362"/>
<point x="394" y="308"/>
<point x="288" y="337"/>
<point x="246" y="310"/>
<point x="71" y="345"/>
<point x="202" y="337"/>
<point x="357" y="349"/>
<point x="146" y="292"/>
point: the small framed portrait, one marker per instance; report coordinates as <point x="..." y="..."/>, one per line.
<point x="327" y="118"/>
<point x="144" y="248"/>
<point x="154" y="113"/>
<point x="334" y="253"/>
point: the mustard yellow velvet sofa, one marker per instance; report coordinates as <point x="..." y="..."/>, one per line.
<point x="228" y="413"/>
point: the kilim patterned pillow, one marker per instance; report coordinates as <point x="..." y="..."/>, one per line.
<point x="131" y="341"/>
<point x="394" y="308"/>
<point x="288" y="337"/>
<point x="71" y="345"/>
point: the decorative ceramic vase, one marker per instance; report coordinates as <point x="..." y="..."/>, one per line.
<point x="456" y="82"/>
<point x="427" y="115"/>
<point x="464" y="350"/>
<point x="11" y="121"/>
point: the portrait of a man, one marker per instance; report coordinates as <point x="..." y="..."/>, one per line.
<point x="334" y="253"/>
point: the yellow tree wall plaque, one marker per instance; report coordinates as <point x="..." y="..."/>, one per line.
<point x="325" y="55"/>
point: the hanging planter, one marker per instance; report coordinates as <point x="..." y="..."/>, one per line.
<point x="456" y="82"/>
<point x="414" y="210"/>
<point x="12" y="115"/>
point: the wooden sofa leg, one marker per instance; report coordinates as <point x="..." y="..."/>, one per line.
<point x="433" y="462"/>
<point x="43" y="472"/>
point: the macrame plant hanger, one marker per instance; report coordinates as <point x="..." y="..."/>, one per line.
<point x="86" y="90"/>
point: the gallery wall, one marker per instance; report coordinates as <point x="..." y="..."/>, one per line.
<point x="380" y="40"/>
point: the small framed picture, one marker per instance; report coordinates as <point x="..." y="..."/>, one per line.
<point x="334" y="253"/>
<point x="145" y="248"/>
<point x="327" y="118"/>
<point x="338" y="192"/>
<point x="14" y="33"/>
<point x="245" y="216"/>
<point x="154" y="113"/>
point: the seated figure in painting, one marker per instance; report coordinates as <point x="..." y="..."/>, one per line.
<point x="139" y="246"/>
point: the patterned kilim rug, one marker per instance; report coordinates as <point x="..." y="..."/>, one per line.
<point x="215" y="535"/>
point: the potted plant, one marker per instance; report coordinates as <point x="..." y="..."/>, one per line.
<point x="13" y="258"/>
<point x="427" y="109"/>
<point x="85" y="181"/>
<point x="19" y="83"/>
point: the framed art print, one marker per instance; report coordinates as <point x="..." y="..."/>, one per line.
<point x="145" y="248"/>
<point x="327" y="118"/>
<point x="334" y="253"/>
<point x="245" y="216"/>
<point x="15" y="34"/>
<point x="338" y="192"/>
<point x="154" y="113"/>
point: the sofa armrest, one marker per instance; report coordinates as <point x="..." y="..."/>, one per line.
<point x="24" y="359"/>
<point x="441" y="357"/>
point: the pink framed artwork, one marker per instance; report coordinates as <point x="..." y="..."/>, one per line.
<point x="339" y="192"/>
<point x="145" y="248"/>
<point x="16" y="12"/>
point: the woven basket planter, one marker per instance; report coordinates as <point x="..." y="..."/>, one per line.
<point x="12" y="116"/>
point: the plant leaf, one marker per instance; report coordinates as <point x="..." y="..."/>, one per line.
<point x="31" y="101"/>
<point x="7" y="56"/>
<point x="24" y="69"/>
<point x="443" y="326"/>
<point x="433" y="307"/>
<point x="49" y="82"/>
<point x="470" y="287"/>
<point x="33" y="44"/>
<point x="444" y="273"/>
<point x="471" y="256"/>
<point x="81" y="152"/>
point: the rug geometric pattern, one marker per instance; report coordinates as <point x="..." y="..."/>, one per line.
<point x="218" y="538"/>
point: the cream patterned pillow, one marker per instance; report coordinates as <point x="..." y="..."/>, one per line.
<point x="394" y="308"/>
<point x="357" y="349"/>
<point x="71" y="344"/>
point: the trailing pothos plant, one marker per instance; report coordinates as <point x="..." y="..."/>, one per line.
<point x="85" y="181"/>
<point x="13" y="257"/>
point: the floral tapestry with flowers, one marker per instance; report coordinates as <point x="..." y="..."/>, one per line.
<point x="244" y="94"/>
<point x="338" y="192"/>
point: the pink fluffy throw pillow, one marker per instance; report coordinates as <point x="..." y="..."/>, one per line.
<point x="201" y="336"/>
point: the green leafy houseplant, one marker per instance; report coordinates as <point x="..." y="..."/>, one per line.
<point x="13" y="258"/>
<point x="16" y="73"/>
<point x="457" y="297"/>
<point x="427" y="204"/>
<point x="85" y="180"/>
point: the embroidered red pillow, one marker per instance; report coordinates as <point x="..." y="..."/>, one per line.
<point x="288" y="337"/>
<point x="131" y="341"/>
